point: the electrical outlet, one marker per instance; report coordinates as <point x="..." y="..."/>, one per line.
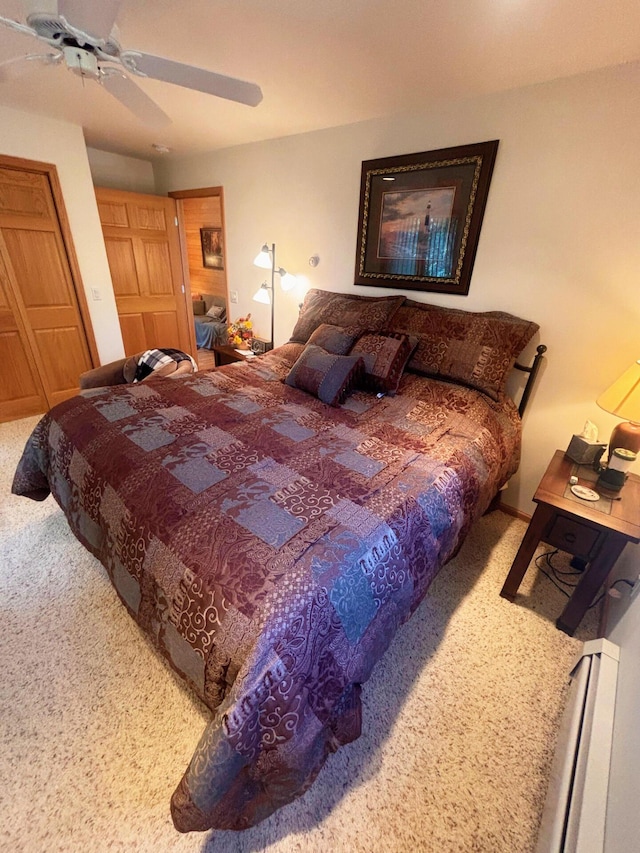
<point x="233" y="296"/>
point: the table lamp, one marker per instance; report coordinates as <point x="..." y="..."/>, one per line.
<point x="623" y="400"/>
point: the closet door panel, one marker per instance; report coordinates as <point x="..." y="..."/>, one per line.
<point x="60" y="374"/>
<point x="21" y="392"/>
<point x="48" y="297"/>
<point x="44" y="342"/>
<point x="25" y="195"/>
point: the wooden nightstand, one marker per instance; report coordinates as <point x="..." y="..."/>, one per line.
<point x="596" y="532"/>
<point x="228" y="354"/>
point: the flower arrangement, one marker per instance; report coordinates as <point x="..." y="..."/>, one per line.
<point x="240" y="332"/>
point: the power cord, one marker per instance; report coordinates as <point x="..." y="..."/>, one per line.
<point x="602" y="594"/>
<point x="556" y="580"/>
<point x="554" y="577"/>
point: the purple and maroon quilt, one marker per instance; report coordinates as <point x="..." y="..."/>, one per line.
<point x="270" y="545"/>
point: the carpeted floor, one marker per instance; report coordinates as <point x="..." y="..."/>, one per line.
<point x="95" y="730"/>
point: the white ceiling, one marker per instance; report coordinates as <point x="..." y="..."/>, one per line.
<point x="323" y="63"/>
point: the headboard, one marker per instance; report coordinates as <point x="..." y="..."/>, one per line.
<point x="532" y="370"/>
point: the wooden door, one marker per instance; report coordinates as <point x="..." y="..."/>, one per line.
<point x="44" y="339"/>
<point x="143" y="248"/>
<point x="21" y="392"/>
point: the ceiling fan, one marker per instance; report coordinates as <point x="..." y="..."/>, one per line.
<point x="82" y="35"/>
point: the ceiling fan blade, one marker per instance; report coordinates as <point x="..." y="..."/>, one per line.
<point x="17" y="27"/>
<point x="12" y="68"/>
<point x="192" y="77"/>
<point x="94" y="17"/>
<point x="133" y="98"/>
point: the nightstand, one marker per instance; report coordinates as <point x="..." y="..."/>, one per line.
<point x="596" y="532"/>
<point x="228" y="354"/>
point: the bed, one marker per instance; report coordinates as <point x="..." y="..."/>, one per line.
<point x="210" y="320"/>
<point x="270" y="543"/>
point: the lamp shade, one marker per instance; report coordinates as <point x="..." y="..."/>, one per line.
<point x="263" y="258"/>
<point x="287" y="280"/>
<point x="623" y="397"/>
<point x="262" y="296"/>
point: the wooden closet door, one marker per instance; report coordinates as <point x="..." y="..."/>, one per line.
<point x="39" y="291"/>
<point x="21" y="392"/>
<point x="143" y="248"/>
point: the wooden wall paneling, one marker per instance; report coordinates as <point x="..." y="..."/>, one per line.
<point x="198" y="209"/>
<point x="203" y="213"/>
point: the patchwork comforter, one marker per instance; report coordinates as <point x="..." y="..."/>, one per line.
<point x="270" y="545"/>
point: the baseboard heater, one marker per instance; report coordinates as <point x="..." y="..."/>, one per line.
<point x="573" y="819"/>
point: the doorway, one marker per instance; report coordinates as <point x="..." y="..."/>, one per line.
<point x="201" y="224"/>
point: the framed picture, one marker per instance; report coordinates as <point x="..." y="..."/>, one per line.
<point x="212" y="255"/>
<point x="420" y="218"/>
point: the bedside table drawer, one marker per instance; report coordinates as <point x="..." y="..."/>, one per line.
<point x="572" y="536"/>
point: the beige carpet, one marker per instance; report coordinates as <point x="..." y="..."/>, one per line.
<point x="95" y="730"/>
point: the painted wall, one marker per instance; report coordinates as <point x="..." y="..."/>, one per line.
<point x="35" y="137"/>
<point x="121" y="173"/>
<point x="559" y="241"/>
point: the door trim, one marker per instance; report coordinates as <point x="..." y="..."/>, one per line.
<point x="51" y="172"/>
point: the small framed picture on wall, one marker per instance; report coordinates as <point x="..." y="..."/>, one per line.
<point x="212" y="253"/>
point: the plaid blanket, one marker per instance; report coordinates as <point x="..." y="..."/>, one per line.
<point x="154" y="359"/>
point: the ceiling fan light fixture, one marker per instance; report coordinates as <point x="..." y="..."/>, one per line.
<point x="81" y="62"/>
<point x="161" y="149"/>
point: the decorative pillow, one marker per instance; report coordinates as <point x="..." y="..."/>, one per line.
<point x="475" y="349"/>
<point x="216" y="312"/>
<point x="334" y="339"/>
<point x="365" y="313"/>
<point x="327" y="376"/>
<point x="198" y="308"/>
<point x="385" y="358"/>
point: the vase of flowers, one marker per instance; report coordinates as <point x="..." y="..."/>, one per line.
<point x="240" y="332"/>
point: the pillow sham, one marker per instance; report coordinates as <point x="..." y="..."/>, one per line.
<point x="475" y="349"/>
<point x="198" y="308"/>
<point x="216" y="312"/>
<point x="364" y="313"/>
<point x="385" y="358"/>
<point x="334" y="339"/>
<point x="327" y="376"/>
